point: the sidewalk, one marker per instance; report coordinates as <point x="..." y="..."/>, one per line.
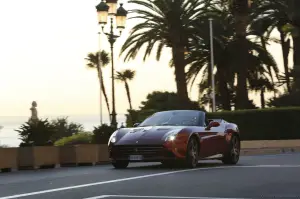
<point x="267" y="147"/>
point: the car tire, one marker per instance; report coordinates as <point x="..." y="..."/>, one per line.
<point x="120" y="164"/>
<point x="233" y="155"/>
<point x="192" y="153"/>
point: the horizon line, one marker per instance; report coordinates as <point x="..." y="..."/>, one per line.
<point x="62" y="115"/>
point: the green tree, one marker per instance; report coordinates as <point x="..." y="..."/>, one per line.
<point x="261" y="84"/>
<point x="268" y="16"/>
<point x="64" y="128"/>
<point x="294" y="16"/>
<point x="93" y="62"/>
<point x="157" y="101"/>
<point x="164" y="23"/>
<point x="101" y="134"/>
<point x="38" y="133"/>
<point x="163" y="101"/>
<point x="288" y="99"/>
<point x="226" y="49"/>
<point x="125" y="76"/>
<point x="43" y="132"/>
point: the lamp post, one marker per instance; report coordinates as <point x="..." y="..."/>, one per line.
<point x="213" y="95"/>
<point x="107" y="10"/>
<point x="100" y="78"/>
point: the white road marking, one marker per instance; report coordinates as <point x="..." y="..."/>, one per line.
<point x="161" y="197"/>
<point x="140" y="177"/>
<point x="274" y="166"/>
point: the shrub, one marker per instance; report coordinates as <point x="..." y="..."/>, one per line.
<point x="36" y="133"/>
<point x="80" y="138"/>
<point x="43" y="132"/>
<point x="102" y="134"/>
<point x="286" y="100"/>
<point x="264" y="124"/>
<point x="257" y="124"/>
<point x="64" y="128"/>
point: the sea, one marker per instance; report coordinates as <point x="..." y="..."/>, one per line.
<point x="9" y="137"/>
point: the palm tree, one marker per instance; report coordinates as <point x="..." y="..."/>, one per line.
<point x="93" y="62"/>
<point x="165" y="23"/>
<point x="294" y="16"/>
<point x="239" y="10"/>
<point x="226" y="49"/>
<point x="125" y="76"/>
<point x="267" y="16"/>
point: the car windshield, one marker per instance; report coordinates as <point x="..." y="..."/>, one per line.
<point x="172" y="118"/>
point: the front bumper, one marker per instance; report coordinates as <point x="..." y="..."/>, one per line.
<point x="141" y="153"/>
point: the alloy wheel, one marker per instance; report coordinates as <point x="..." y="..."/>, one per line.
<point x="235" y="151"/>
<point x="193" y="152"/>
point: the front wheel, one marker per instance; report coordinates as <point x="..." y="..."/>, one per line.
<point x="120" y="164"/>
<point x="192" y="153"/>
<point x="233" y="156"/>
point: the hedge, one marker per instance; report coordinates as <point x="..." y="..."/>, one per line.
<point x="80" y="138"/>
<point x="260" y="124"/>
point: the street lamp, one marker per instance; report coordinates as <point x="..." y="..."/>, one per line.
<point x="213" y="95"/>
<point x="105" y="10"/>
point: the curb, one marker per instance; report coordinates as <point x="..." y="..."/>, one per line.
<point x="269" y="151"/>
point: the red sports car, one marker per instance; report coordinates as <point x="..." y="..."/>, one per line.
<point x="175" y="136"/>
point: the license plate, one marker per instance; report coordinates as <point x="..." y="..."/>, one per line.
<point x="135" y="157"/>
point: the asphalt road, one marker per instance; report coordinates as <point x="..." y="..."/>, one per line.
<point x="275" y="176"/>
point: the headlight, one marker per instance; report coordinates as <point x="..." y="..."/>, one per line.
<point x="172" y="135"/>
<point x="113" y="138"/>
<point x="171" y="138"/>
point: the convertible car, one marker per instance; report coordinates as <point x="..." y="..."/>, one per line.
<point x="185" y="136"/>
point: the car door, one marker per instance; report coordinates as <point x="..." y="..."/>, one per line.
<point x="219" y="140"/>
<point x="212" y="141"/>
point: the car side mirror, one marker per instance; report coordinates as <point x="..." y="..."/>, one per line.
<point x="212" y="124"/>
<point x="136" y="124"/>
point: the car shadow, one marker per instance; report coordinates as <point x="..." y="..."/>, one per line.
<point x="161" y="167"/>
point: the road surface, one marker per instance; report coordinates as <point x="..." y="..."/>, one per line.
<point x="273" y="176"/>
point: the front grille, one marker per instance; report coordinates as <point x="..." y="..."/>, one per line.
<point x="145" y="150"/>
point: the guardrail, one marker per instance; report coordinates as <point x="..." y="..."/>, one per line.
<point x="92" y="154"/>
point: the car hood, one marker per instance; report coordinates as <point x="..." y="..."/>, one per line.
<point x="145" y="135"/>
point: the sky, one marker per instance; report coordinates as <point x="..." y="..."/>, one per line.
<point x="42" y="49"/>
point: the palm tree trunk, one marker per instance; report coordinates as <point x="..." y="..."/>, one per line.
<point x="224" y="91"/>
<point x="242" y="93"/>
<point x="296" y="57"/>
<point x="128" y="94"/>
<point x="263" y="43"/>
<point x="104" y="93"/>
<point x="180" y="78"/>
<point x="285" y="53"/>
<point x="241" y="22"/>
<point x="262" y="97"/>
